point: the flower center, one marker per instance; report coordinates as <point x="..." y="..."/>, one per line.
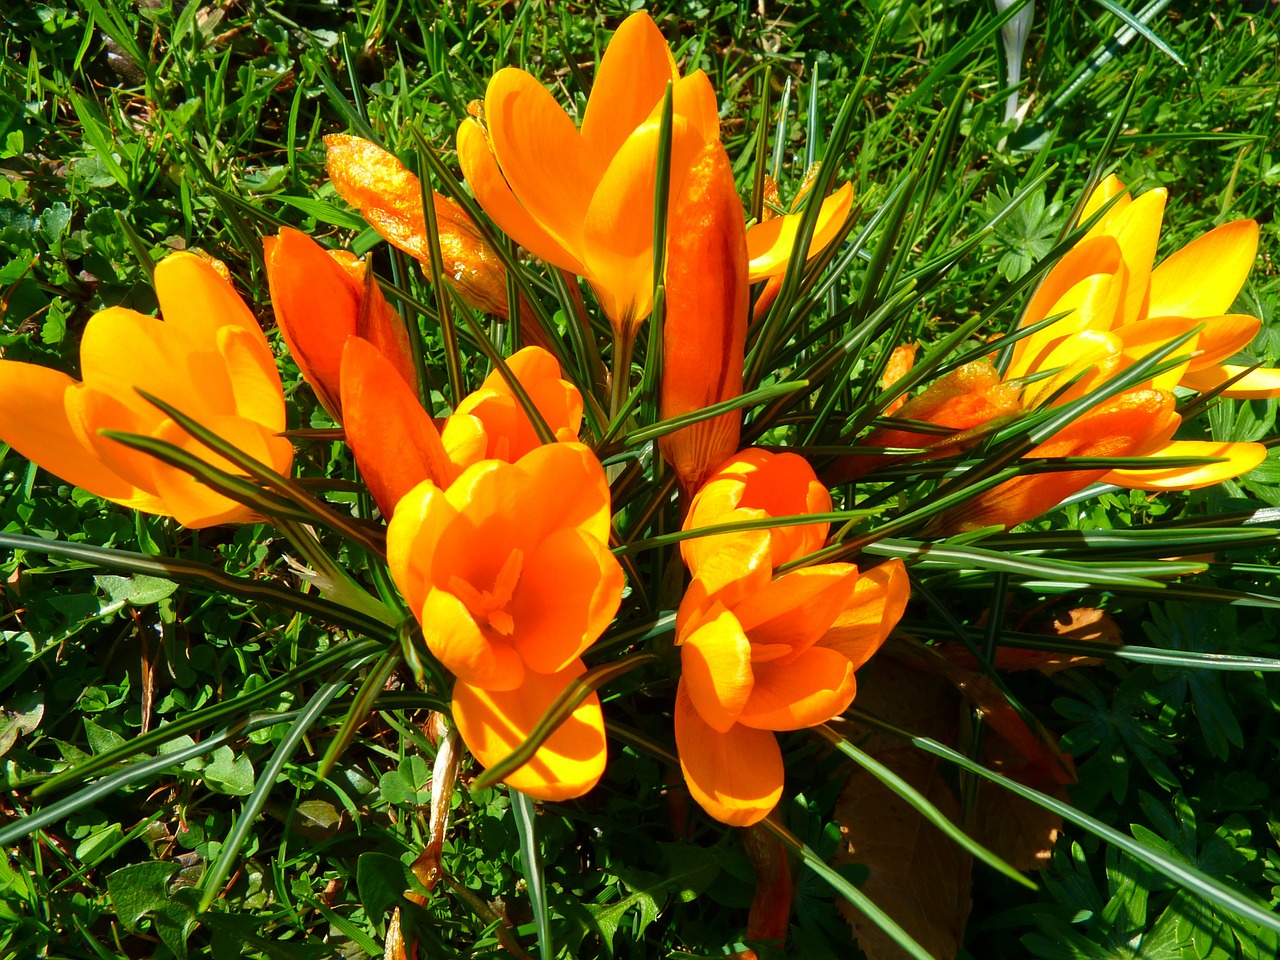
<point x="490" y="606"/>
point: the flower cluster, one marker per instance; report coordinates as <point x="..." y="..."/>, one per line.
<point x="508" y="520"/>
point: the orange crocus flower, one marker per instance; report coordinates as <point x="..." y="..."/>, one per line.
<point x="207" y="357"/>
<point x="320" y="298"/>
<point x="705" y="329"/>
<point x="769" y="242"/>
<point x="757" y="485"/>
<point x="509" y="574"/>
<point x="760" y="655"/>
<point x="389" y="197"/>
<point x="397" y="445"/>
<point x="1107" y="285"/>
<point x="582" y="199"/>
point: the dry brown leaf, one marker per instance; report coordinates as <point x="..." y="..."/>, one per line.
<point x="1014" y="829"/>
<point x="918" y="876"/>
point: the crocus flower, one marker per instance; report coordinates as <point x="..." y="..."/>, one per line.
<point x="760" y="655"/>
<point x="756" y="485"/>
<point x="389" y="197"/>
<point x="705" y="329"/>
<point x="207" y="357"/>
<point x="770" y="241"/>
<point x="397" y="445"/>
<point x="509" y="574"/>
<point x="321" y="298"/>
<point x="582" y="199"/>
<point x="1107" y="285"/>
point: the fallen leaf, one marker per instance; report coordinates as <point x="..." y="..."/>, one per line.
<point x="1015" y="829"/>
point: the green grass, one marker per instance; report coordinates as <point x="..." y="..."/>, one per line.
<point x="200" y="128"/>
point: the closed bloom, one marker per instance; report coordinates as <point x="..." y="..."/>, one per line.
<point x="756" y="485"/>
<point x="397" y="445"/>
<point x="582" y="199"/>
<point x="389" y="197"/>
<point x="509" y="574"/>
<point x="760" y="655"/>
<point x="320" y="299"/>
<point x="207" y="357"/>
<point x="705" y="329"/>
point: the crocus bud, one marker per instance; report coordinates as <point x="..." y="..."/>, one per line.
<point x="706" y="322"/>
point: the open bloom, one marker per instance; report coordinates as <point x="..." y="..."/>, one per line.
<point x="582" y="199"/>
<point x="509" y="574"/>
<point x="207" y="357"/>
<point x="1117" y="303"/>
<point x="760" y="655"/>
<point x="769" y="242"/>
<point x="321" y="298"/>
<point x="397" y="445"/>
<point x="705" y="329"/>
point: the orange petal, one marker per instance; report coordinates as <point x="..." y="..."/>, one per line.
<point x="769" y="243"/>
<point x="395" y="442"/>
<point x="704" y="332"/>
<point x="725" y="567"/>
<point x="791" y="695"/>
<point x="567" y="595"/>
<point x="1137" y="230"/>
<point x="1203" y="278"/>
<point x="1239" y="458"/>
<point x="493" y="724"/>
<point x="422" y="517"/>
<point x="694" y="99"/>
<point x="1223" y="337"/>
<point x="1093" y="353"/>
<point x="1259" y="384"/>
<point x="34" y="422"/>
<point x="569" y="486"/>
<point x="1127" y="425"/>
<point x="546" y="164"/>
<point x="1147" y="336"/>
<point x="378" y="323"/>
<point x="469" y="652"/>
<point x="90" y="412"/>
<point x="316" y="304"/>
<point x="480" y="168"/>
<point x="715" y="669"/>
<point x="796" y="609"/>
<point x="735" y="776"/>
<point x="632" y="77"/>
<point x="879" y="598"/>
<point x="1109" y="187"/>
<point x="509" y="432"/>
<point x="197" y="299"/>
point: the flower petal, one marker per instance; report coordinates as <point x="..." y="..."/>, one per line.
<point x="632" y="77"/>
<point x="694" y="98"/>
<point x="715" y="669"/>
<point x="509" y="432"/>
<point x="422" y="517"/>
<point x="879" y="598"/>
<point x="567" y="595"/>
<point x="735" y="776"/>
<point x="1137" y="230"/>
<point x="791" y="695"/>
<point x="480" y="168"/>
<point x="769" y="243"/>
<point x="34" y="421"/>
<point x="196" y="299"/>
<point x="1203" y="278"/>
<point x="493" y="723"/>
<point x="1109" y="187"/>
<point x="1258" y="384"/>
<point x="255" y="382"/>
<point x="797" y="608"/>
<point x="395" y="442"/>
<point x="570" y="488"/>
<point x="470" y="653"/>
<point x="1239" y="458"/>
<point x="1223" y="337"/>
<point x="545" y="162"/>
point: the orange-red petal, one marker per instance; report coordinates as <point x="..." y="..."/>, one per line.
<point x="793" y="694"/>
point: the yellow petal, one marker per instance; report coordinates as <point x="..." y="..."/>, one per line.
<point x="1104" y="191"/>
<point x="715" y="669"/>
<point x="34" y="421"/>
<point x="725" y="567"/>
<point x="1203" y="278"/>
<point x="735" y="776"/>
<point x="1258" y="384"/>
<point x="1223" y="337"/>
<point x="1093" y="351"/>
<point x="632" y="77"/>
<point x="470" y="653"/>
<point x="769" y="243"/>
<point x="195" y="298"/>
<point x="480" y="168"/>
<point x="493" y="724"/>
<point x="1239" y="458"/>
<point x="546" y="164"/>
<point x="1137" y="230"/>
<point x="255" y="383"/>
<point x="570" y="486"/>
<point x="422" y="516"/>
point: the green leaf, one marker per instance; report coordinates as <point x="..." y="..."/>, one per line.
<point x="382" y="881"/>
<point x="229" y="774"/>
<point x="138" y="890"/>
